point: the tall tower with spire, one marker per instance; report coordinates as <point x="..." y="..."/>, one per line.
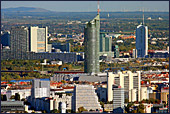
<point x="142" y="40"/>
<point x="91" y="39"/>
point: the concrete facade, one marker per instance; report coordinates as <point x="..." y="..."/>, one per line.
<point x="118" y="99"/>
<point x="38" y="39"/>
<point x="85" y="96"/>
<point x="129" y="81"/>
<point x="24" y="93"/>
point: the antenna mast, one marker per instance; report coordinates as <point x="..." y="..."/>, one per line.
<point x="143" y="16"/>
<point x="98" y="7"/>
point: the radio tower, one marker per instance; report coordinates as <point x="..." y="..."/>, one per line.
<point x="98" y="7"/>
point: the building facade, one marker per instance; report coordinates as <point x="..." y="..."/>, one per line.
<point x="85" y="96"/>
<point x="5" y="39"/>
<point x="118" y="99"/>
<point x="129" y="81"/>
<point x="19" y="41"/>
<point x="91" y="41"/>
<point x="142" y="41"/>
<point x="39" y="89"/>
<point x="24" y="93"/>
<point x="63" y="47"/>
<point x="38" y="39"/>
<point x="116" y="51"/>
<point x="12" y="106"/>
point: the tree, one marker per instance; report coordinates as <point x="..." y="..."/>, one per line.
<point x="140" y="108"/>
<point x="128" y="107"/>
<point x="44" y="111"/>
<point x="12" y="97"/>
<point x="17" y="96"/>
<point x="134" y="111"/>
<point x="68" y="111"/>
<point x="63" y="81"/>
<point x="81" y="109"/>
<point x="3" y="97"/>
<point x="54" y="111"/>
<point x="102" y="104"/>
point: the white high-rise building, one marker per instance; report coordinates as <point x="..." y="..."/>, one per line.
<point x="129" y="81"/>
<point x="38" y="39"/>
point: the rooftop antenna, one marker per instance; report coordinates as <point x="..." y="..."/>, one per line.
<point x="98" y="7"/>
<point x="143" y="16"/>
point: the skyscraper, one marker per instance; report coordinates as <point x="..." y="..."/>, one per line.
<point x="19" y="41"/>
<point x="5" y="39"/>
<point x="116" y="51"/>
<point x="39" y="89"/>
<point x="142" y="40"/>
<point x="38" y="39"/>
<point x="105" y="43"/>
<point x="91" y="38"/>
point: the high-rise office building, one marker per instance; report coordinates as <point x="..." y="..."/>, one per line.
<point x="129" y="81"/>
<point x="91" y="39"/>
<point x="19" y="41"/>
<point x="116" y="51"/>
<point x="38" y="39"/>
<point x="142" y="40"/>
<point x="105" y="47"/>
<point x="5" y="39"/>
<point x="118" y="99"/>
<point x="105" y="43"/>
<point x="39" y="89"/>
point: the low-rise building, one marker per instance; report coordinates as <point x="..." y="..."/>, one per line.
<point x="11" y="106"/>
<point x="85" y="96"/>
<point x="24" y="93"/>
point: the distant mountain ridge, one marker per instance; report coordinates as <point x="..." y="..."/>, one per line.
<point x="24" y="9"/>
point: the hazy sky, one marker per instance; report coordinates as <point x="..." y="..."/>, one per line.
<point x="79" y="6"/>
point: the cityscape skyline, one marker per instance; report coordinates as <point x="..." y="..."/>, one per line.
<point x="81" y="63"/>
<point x="90" y="6"/>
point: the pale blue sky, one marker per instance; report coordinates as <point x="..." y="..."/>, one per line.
<point x="86" y="6"/>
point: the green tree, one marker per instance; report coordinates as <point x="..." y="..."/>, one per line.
<point x="81" y="109"/>
<point x="63" y="81"/>
<point x="102" y="104"/>
<point x="134" y="111"/>
<point x="140" y="108"/>
<point x="12" y="97"/>
<point x="68" y="111"/>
